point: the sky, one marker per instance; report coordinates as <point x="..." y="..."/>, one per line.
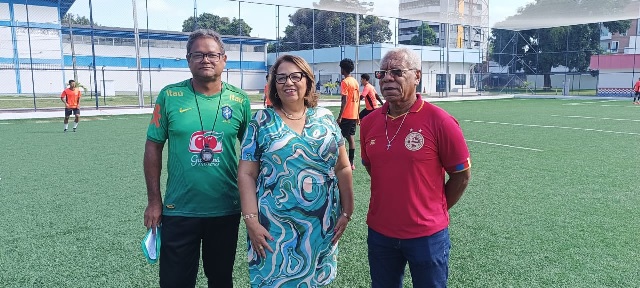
<point x="170" y="14"/>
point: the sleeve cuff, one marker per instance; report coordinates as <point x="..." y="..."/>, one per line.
<point x="460" y="167"/>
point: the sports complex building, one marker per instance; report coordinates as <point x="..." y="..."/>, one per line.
<point x="38" y="55"/>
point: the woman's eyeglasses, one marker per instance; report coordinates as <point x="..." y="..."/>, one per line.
<point x="295" y="77"/>
<point x="394" y="72"/>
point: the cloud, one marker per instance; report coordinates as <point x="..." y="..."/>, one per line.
<point x="156" y="5"/>
<point x="499" y="10"/>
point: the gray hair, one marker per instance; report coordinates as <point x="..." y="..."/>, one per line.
<point x="204" y="33"/>
<point x="410" y="58"/>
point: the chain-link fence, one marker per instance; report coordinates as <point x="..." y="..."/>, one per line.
<point x="122" y="55"/>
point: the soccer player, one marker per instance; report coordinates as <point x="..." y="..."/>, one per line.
<point x="348" y="117"/>
<point x="407" y="147"/>
<point x="201" y="118"/>
<point x="71" y="99"/>
<point x="369" y="95"/>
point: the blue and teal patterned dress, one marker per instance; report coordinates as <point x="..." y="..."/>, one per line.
<point x="298" y="198"/>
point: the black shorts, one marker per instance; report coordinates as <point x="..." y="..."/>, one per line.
<point x="637" y="93"/>
<point x="68" y="111"/>
<point x="364" y="112"/>
<point x="348" y="127"/>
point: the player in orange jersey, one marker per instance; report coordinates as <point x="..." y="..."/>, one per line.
<point x="71" y="99"/>
<point x="348" y="117"/>
<point x="369" y="95"/>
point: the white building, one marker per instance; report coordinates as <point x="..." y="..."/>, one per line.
<point x="325" y="62"/>
<point x="471" y="15"/>
<point x="37" y="49"/>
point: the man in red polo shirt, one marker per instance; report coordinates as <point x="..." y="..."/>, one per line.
<point x="71" y="99"/>
<point x="407" y="146"/>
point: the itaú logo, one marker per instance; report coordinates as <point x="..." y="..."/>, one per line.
<point x="199" y="138"/>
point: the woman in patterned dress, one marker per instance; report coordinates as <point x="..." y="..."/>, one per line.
<point x="295" y="184"/>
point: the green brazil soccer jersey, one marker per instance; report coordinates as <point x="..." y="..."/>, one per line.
<point x="191" y="121"/>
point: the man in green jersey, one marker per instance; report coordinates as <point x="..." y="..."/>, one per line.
<point x="202" y="118"/>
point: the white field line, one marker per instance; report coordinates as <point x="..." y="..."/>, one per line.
<point x="4" y="123"/>
<point x="602" y="105"/>
<point x="553" y="126"/>
<point x="505" y="145"/>
<point x="589" y="117"/>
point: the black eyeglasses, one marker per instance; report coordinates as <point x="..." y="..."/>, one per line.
<point x="394" y="72"/>
<point x="295" y="77"/>
<point x="198" y="56"/>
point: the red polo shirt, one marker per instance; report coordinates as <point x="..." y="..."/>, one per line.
<point x="408" y="179"/>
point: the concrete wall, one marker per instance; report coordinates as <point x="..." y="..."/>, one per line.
<point x="577" y="82"/>
<point x="618" y="78"/>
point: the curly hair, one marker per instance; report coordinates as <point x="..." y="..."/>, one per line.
<point x="310" y="96"/>
<point x="346" y="64"/>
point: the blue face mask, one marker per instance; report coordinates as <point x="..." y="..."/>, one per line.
<point x="151" y="245"/>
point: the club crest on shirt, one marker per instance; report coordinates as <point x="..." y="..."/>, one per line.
<point x="227" y="113"/>
<point x="414" y="140"/>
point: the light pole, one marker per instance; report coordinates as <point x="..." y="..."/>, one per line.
<point x="370" y="4"/>
<point x="136" y="37"/>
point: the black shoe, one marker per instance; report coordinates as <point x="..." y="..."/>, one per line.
<point x="74" y="129"/>
<point x="65" y="130"/>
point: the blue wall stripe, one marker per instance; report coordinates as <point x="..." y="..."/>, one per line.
<point x="33" y="2"/>
<point x="30" y="25"/>
<point x="131" y="62"/>
<point x="38" y="25"/>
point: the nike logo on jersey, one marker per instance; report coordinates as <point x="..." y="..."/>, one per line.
<point x="182" y="110"/>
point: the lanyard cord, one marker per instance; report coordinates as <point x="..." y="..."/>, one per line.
<point x="205" y="144"/>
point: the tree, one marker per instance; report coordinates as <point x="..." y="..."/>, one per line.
<point x="537" y="51"/>
<point x="222" y="25"/>
<point x="426" y="33"/>
<point x="74" y="19"/>
<point x="331" y="28"/>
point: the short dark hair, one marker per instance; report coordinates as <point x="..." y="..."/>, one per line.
<point x="310" y="97"/>
<point x="72" y="81"/>
<point x="204" y="33"/>
<point x="346" y="64"/>
<point x="365" y="76"/>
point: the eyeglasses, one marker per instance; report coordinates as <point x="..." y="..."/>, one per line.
<point x="295" y="77"/>
<point x="394" y="72"/>
<point x="198" y="56"/>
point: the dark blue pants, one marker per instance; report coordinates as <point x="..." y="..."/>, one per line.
<point x="180" y="250"/>
<point x="428" y="259"/>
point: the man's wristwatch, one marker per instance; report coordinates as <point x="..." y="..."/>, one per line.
<point x="346" y="216"/>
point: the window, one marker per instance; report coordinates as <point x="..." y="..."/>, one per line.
<point x="613" y="46"/>
<point x="461" y="79"/>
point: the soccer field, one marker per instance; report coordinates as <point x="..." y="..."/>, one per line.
<point x="553" y="200"/>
